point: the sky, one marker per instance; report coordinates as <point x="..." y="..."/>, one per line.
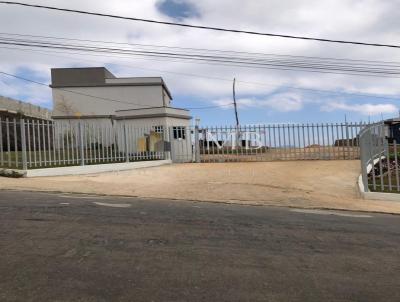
<point x="264" y="95"/>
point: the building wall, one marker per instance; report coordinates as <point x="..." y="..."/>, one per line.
<point x="181" y="149"/>
<point x="66" y="103"/>
<point x="140" y="132"/>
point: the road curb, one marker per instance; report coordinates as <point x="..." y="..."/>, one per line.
<point x="95" y="169"/>
<point x="375" y="195"/>
<point x="225" y="202"/>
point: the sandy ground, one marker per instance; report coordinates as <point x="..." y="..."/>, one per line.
<point x="303" y="184"/>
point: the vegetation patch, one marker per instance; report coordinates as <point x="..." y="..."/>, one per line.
<point x="12" y="173"/>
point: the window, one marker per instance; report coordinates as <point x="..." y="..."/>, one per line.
<point x="159" y="129"/>
<point x="179" y="132"/>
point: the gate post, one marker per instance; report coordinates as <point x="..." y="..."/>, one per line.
<point x="82" y="153"/>
<point x="167" y="143"/>
<point x="347" y="140"/>
<point x="23" y="145"/>
<point x="364" y="146"/>
<point x="126" y="144"/>
<point x="172" y="144"/>
<point x="196" y="142"/>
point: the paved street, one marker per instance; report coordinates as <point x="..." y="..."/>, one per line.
<point x="56" y="247"/>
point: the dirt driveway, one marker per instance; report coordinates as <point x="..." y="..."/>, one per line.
<point x="303" y="184"/>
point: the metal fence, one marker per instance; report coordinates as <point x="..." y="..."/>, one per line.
<point x="278" y="142"/>
<point x="379" y="160"/>
<point x="29" y="144"/>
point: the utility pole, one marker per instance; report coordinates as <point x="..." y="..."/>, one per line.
<point x="234" y="103"/>
<point x="237" y="143"/>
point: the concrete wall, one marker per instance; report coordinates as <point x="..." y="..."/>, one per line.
<point x="26" y="109"/>
<point x="153" y="112"/>
<point x="78" y="77"/>
<point x="67" y="103"/>
<point x="98" y="122"/>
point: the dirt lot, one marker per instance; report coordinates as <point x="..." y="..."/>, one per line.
<point x="305" y="184"/>
<point x="308" y="153"/>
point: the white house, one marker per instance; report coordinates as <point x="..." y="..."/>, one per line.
<point x="95" y="96"/>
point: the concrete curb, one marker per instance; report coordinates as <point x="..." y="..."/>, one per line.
<point x="376" y="195"/>
<point x="94" y="169"/>
<point x="236" y="202"/>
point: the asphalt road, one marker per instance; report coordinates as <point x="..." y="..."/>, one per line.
<point x="79" y="248"/>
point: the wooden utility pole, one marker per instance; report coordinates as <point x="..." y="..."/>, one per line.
<point x="236" y="115"/>
<point x="234" y="103"/>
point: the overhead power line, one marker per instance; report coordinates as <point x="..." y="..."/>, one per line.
<point x="268" y="61"/>
<point x="102" y="98"/>
<point x="220" y="29"/>
<point x="307" y="89"/>
<point x="201" y="50"/>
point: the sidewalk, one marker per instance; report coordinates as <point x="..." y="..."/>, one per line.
<point x="301" y="184"/>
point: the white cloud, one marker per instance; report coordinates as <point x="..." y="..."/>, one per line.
<point x="282" y="102"/>
<point x="286" y="102"/>
<point x="364" y="109"/>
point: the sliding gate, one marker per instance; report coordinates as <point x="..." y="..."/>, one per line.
<point x="276" y="142"/>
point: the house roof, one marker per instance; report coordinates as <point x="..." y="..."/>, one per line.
<point x="99" y="77"/>
<point x="138" y="113"/>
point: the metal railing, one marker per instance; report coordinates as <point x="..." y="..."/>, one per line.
<point x="379" y="160"/>
<point x="279" y="142"/>
<point x="30" y="144"/>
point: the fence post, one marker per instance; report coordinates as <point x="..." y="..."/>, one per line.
<point x="126" y="144"/>
<point x="347" y="140"/>
<point x="1" y="143"/>
<point x="172" y="144"/>
<point x="364" y="160"/>
<point x="196" y="142"/>
<point x="82" y="152"/>
<point x="167" y="143"/>
<point x="23" y="145"/>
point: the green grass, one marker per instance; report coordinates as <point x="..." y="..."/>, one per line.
<point x="385" y="184"/>
<point x="9" y="159"/>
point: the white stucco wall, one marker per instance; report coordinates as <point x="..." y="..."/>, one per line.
<point x="66" y="103"/>
<point x="181" y="149"/>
